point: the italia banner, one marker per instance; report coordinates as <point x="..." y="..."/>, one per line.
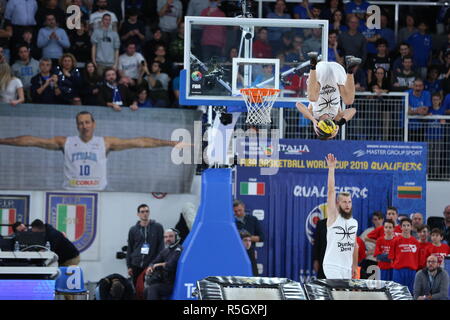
<point x="284" y="184"/>
<point x="13" y="208"/>
<point x="75" y="215"/>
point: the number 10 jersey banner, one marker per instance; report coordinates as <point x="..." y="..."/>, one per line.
<point x="284" y="184"/>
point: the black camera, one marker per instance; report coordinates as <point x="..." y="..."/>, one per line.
<point x="122" y="254"/>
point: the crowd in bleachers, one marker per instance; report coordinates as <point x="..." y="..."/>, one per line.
<point x="141" y="42"/>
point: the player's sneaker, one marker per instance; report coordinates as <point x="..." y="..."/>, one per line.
<point x="351" y="63"/>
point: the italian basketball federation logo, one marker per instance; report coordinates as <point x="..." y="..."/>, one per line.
<point x="75" y="215"/>
<point x="316" y="214"/>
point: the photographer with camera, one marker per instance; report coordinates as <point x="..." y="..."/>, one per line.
<point x="160" y="275"/>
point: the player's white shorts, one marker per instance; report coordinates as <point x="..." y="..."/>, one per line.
<point x="330" y="75"/>
<point x="335" y="272"/>
<point x="330" y="72"/>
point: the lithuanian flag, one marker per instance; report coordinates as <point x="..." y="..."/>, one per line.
<point x="252" y="188"/>
<point x="407" y="192"/>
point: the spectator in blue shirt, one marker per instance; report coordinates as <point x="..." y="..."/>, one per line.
<point x="446" y="104"/>
<point x="337" y="22"/>
<point x="333" y="52"/>
<point x="387" y="33"/>
<point x="419" y="104"/>
<point x="432" y="83"/>
<point x="143" y="101"/>
<point x="279" y="12"/>
<point x="358" y="7"/>
<point x="52" y="40"/>
<point x="372" y="35"/>
<point x="302" y="10"/>
<point x="421" y="45"/>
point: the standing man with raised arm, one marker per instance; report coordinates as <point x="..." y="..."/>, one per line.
<point x="341" y="255"/>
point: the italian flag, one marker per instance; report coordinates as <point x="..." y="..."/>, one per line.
<point x="252" y="188"/>
<point x="406" y="192"/>
<point x="7" y="216"/>
<point x="71" y="220"/>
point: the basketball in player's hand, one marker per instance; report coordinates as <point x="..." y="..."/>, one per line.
<point x="326" y="128"/>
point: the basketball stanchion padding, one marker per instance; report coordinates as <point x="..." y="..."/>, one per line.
<point x="259" y="103"/>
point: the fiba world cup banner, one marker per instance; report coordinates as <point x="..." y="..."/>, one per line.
<point x="291" y="198"/>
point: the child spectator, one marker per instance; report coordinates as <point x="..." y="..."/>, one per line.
<point x="437" y="248"/>
<point x="143" y="101"/>
<point x="11" y="88"/>
<point x="424" y="234"/>
<point x="405" y="256"/>
<point x="391" y="214"/>
<point x="403" y="79"/>
<point x="382" y="248"/>
<point x="91" y="85"/>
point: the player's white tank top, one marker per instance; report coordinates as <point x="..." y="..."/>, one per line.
<point x="329" y="75"/>
<point x="341" y="237"/>
<point x="85" y="164"/>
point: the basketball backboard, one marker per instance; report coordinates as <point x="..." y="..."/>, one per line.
<point x="222" y="55"/>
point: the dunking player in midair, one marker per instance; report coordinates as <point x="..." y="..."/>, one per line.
<point x="328" y="82"/>
<point x="341" y="254"/>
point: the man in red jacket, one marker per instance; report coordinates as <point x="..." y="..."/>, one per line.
<point x="405" y="256"/>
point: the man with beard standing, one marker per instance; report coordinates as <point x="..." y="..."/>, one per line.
<point x="341" y="255"/>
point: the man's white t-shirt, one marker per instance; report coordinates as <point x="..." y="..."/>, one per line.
<point x="85" y="164"/>
<point x="130" y="64"/>
<point x="341" y="238"/>
<point x="329" y="75"/>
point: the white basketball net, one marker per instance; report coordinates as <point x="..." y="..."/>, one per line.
<point x="259" y="103"/>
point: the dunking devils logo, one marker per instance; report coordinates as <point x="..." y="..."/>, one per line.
<point x="328" y="103"/>
<point x="345" y="232"/>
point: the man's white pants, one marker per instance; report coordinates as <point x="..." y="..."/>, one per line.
<point x="335" y="272"/>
